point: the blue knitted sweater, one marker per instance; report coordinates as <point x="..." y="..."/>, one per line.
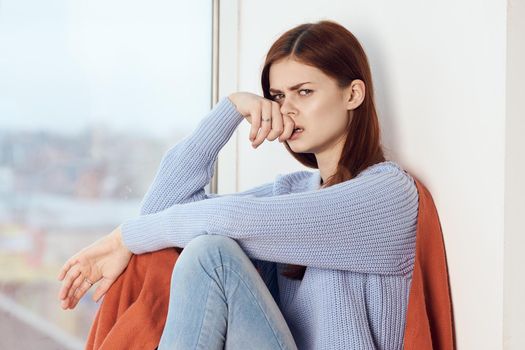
<point x="357" y="238"/>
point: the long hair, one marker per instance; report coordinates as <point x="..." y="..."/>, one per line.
<point x="335" y="51"/>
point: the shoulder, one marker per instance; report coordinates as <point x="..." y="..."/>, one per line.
<point x="392" y="172"/>
<point x="301" y="177"/>
<point x="387" y="173"/>
<point x="382" y="167"/>
<point x="297" y="181"/>
<point x="388" y="182"/>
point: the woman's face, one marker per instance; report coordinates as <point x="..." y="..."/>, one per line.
<point x="320" y="107"/>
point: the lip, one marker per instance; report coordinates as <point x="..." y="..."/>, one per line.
<point x="296" y="135"/>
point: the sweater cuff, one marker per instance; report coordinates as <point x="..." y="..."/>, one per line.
<point x="136" y="233"/>
<point x="217" y="127"/>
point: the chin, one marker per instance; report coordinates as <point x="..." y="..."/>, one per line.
<point x="297" y="147"/>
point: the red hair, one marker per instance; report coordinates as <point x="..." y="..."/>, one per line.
<point x="335" y="51"/>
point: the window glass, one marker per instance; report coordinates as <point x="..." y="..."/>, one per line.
<point x="92" y="93"/>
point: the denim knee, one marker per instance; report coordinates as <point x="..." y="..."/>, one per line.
<point x="207" y="244"/>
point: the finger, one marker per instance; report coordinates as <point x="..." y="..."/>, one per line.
<point x="277" y="120"/>
<point x="101" y="290"/>
<point x="289" y="125"/>
<point x="68" y="281"/>
<point x="256" y="121"/>
<point x="76" y="283"/>
<point x="71" y="275"/>
<point x="65" y="268"/>
<point x="266" y="126"/>
<point x="79" y="294"/>
<point x="65" y="304"/>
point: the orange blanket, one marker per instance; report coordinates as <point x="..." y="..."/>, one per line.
<point x="430" y="323"/>
<point x="133" y="311"/>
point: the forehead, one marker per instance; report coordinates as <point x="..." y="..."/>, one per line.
<point x="286" y="73"/>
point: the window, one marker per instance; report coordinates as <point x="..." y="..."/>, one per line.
<point x="92" y="94"/>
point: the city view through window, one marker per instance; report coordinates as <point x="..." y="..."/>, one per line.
<point x="91" y="96"/>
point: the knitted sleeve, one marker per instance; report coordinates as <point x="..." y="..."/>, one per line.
<point x="366" y="224"/>
<point x="187" y="167"/>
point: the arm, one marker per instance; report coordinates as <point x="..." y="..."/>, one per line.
<point x="187" y="167"/>
<point x="366" y="224"/>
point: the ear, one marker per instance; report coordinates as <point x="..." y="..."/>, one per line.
<point x="355" y="93"/>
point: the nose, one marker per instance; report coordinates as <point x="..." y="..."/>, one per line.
<point x="287" y="108"/>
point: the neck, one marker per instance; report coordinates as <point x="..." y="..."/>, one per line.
<point x="327" y="161"/>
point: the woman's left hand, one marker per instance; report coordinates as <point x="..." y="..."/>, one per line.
<point x="103" y="261"/>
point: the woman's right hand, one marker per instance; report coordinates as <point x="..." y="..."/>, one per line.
<point x="254" y="108"/>
<point x="104" y="261"/>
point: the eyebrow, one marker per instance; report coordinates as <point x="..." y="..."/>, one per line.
<point x="292" y="88"/>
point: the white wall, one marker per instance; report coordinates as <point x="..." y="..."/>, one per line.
<point x="514" y="258"/>
<point x="447" y="114"/>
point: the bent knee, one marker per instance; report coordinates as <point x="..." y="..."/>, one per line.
<point x="206" y="243"/>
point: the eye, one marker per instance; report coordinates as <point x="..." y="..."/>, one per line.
<point x="276" y="97"/>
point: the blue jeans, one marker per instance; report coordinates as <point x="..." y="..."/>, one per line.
<point x="219" y="301"/>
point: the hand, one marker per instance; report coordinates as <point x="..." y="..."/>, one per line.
<point x="104" y="261"/>
<point x="253" y="107"/>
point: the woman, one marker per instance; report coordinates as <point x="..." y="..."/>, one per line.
<point x="313" y="260"/>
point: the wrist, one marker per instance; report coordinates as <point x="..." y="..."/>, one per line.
<point x="119" y="242"/>
<point x="231" y="97"/>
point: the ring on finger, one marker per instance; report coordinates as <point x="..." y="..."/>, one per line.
<point x="267" y="119"/>
<point x="88" y="281"/>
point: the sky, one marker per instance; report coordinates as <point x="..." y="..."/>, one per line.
<point x="132" y="66"/>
